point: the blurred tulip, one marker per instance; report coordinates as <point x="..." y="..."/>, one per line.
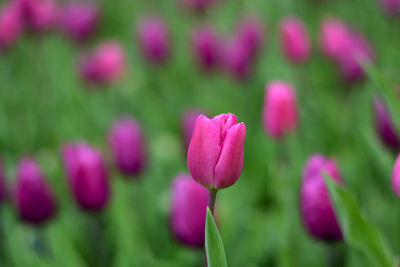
<point x="188" y="210"/>
<point x="280" y="109"/>
<point x="33" y="196"/>
<point x="128" y="146"/>
<point x="391" y="7"/>
<point x="251" y="33"/>
<point x="316" y="208"/>
<point x="334" y="34"/>
<point x="295" y="40"/>
<point x="87" y="176"/>
<point x="206" y="47"/>
<point x="154" y="39"/>
<point x="105" y="65"/>
<point x="11" y="24"/>
<point x="39" y="15"/>
<point x="188" y="121"/>
<point x="384" y="125"/>
<point x="216" y="151"/>
<point x="198" y="6"/>
<point x="396" y="176"/>
<point x="237" y="59"/>
<point x="79" y="20"/>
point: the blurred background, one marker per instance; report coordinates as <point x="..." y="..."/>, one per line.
<point x="53" y="93"/>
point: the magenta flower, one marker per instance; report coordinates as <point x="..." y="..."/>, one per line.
<point x="128" y="146"/>
<point x="79" y="20"/>
<point x="280" y="109"/>
<point x="39" y="15"/>
<point x="105" y="65"/>
<point x="206" y="47"/>
<point x="391" y="7"/>
<point x="188" y="210"/>
<point x="154" y="39"/>
<point x="295" y="40"/>
<point x="33" y="196"/>
<point x="11" y="24"/>
<point x="251" y="33"/>
<point x="188" y="121"/>
<point x="216" y="151"/>
<point x="334" y="34"/>
<point x="87" y="176"/>
<point x="396" y="176"/>
<point x="237" y="59"/>
<point x="384" y="125"/>
<point x="315" y="205"/>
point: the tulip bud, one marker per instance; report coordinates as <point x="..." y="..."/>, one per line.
<point x="206" y="47"/>
<point x="33" y="196"/>
<point x="128" y="146"/>
<point x="295" y="40"/>
<point x="10" y="24"/>
<point x="198" y="6"/>
<point x="39" y="15"/>
<point x="154" y="39"/>
<point x="79" y="20"/>
<point x="391" y="7"/>
<point x="87" y="176"/>
<point x="188" y="210"/>
<point x="104" y="65"/>
<point x="237" y="59"/>
<point x="334" y="35"/>
<point x="280" y="109"/>
<point x="188" y="121"/>
<point x="216" y="151"/>
<point x="251" y="33"/>
<point x="316" y="208"/>
<point x="384" y="125"/>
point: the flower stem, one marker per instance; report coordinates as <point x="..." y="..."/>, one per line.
<point x="211" y="201"/>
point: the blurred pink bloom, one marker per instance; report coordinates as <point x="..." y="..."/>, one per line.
<point x="391" y="7"/>
<point x="206" y="47"/>
<point x="39" y="15"/>
<point x="128" y="146"/>
<point x="295" y="40"/>
<point x="11" y="24"/>
<point x="237" y="59"/>
<point x="334" y="34"/>
<point x="34" y="198"/>
<point x="396" y="176"/>
<point x="188" y="210"/>
<point x="316" y="209"/>
<point x="188" y="121"/>
<point x="251" y="33"/>
<point x="79" y="20"/>
<point x="87" y="175"/>
<point x="280" y="109"/>
<point x="216" y="151"/>
<point x="154" y="39"/>
<point x="104" y="65"/>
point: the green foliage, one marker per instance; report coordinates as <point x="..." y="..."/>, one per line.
<point x="214" y="247"/>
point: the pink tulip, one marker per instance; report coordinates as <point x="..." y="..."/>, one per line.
<point x="316" y="208"/>
<point x="280" y="109"/>
<point x="295" y="40"/>
<point x="206" y="47"/>
<point x="237" y="59"/>
<point x="11" y="24"/>
<point x="188" y="121"/>
<point x="396" y="177"/>
<point x="251" y="33"/>
<point x="128" y="146"/>
<point x="334" y="34"/>
<point x="39" y="15"/>
<point x="216" y="151"/>
<point x="188" y="210"/>
<point x="105" y="65"/>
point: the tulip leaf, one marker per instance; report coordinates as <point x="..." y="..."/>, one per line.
<point x="214" y="247"/>
<point x="358" y="233"/>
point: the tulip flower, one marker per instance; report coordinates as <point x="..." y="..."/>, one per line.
<point x="188" y="210"/>
<point x="39" y="15"/>
<point x="250" y="32"/>
<point x="154" y="40"/>
<point x="396" y="176"/>
<point x="334" y="34"/>
<point x="11" y="24"/>
<point x="206" y="47"/>
<point x="188" y="121"/>
<point x="33" y="196"/>
<point x="237" y="59"/>
<point x="216" y="151"/>
<point x="384" y="125"/>
<point x="295" y="40"/>
<point x="280" y="109"/>
<point x="105" y="65"/>
<point x="79" y="20"/>
<point x="391" y="7"/>
<point x="128" y="146"/>
<point x="316" y="208"/>
<point x="87" y="176"/>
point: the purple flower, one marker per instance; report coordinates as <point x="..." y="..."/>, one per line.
<point x="39" y="15"/>
<point x="237" y="59"/>
<point x="251" y="32"/>
<point x="295" y="40"/>
<point x="11" y="24"/>
<point x="396" y="177"/>
<point x="87" y="176"/>
<point x="391" y="7"/>
<point x="216" y="150"/>
<point x="206" y="47"/>
<point x="33" y="196"/>
<point x="315" y="205"/>
<point x="188" y="210"/>
<point x="128" y="146"/>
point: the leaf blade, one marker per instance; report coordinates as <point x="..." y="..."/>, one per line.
<point x="213" y="243"/>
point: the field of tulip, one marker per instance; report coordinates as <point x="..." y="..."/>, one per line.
<point x="121" y="121"/>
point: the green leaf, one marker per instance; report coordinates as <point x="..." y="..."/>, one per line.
<point x="358" y="232"/>
<point x="214" y="247"/>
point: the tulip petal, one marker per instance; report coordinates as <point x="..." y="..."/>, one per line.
<point x="230" y="162"/>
